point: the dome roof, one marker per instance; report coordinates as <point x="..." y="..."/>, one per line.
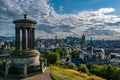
<point x="24" y="20"/>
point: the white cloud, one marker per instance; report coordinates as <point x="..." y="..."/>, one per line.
<point x="51" y="22"/>
<point x="105" y="10"/>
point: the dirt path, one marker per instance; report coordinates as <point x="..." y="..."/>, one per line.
<point x="44" y="76"/>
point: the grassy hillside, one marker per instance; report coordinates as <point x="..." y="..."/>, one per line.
<point x="58" y="73"/>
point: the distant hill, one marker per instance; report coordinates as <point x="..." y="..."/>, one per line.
<point x="5" y="38"/>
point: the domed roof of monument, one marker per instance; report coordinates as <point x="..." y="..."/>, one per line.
<point x="25" y="20"/>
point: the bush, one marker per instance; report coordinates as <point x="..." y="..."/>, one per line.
<point x="52" y="57"/>
<point x="72" y="66"/>
<point x="83" y="68"/>
<point x="106" y="71"/>
<point x="75" y="54"/>
<point x="61" y="51"/>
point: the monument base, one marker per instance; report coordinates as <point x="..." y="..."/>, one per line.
<point x="24" y="63"/>
<point x="30" y="60"/>
<point x="25" y="57"/>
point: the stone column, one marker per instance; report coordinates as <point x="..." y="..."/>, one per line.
<point x="28" y="37"/>
<point x="23" y="39"/>
<point x="17" y="38"/>
<point x="33" y="37"/>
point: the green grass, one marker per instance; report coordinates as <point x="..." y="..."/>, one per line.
<point x="58" y="73"/>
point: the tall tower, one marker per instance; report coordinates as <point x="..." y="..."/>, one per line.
<point x="83" y="43"/>
<point x="83" y="38"/>
<point x="27" y="28"/>
<point x="91" y="42"/>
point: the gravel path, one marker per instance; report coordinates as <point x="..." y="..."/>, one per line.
<point x="43" y="76"/>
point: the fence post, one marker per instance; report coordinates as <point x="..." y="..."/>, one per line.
<point x="6" y="70"/>
<point x="41" y="67"/>
<point x="25" y="70"/>
<point x="46" y="61"/>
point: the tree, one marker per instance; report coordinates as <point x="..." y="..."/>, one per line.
<point x="52" y="57"/>
<point x="106" y="71"/>
<point x="61" y="51"/>
<point x="64" y="51"/>
<point x="117" y="75"/>
<point x="83" y="68"/>
<point x="75" y="54"/>
<point x="96" y="69"/>
<point x="112" y="72"/>
<point x="72" y="66"/>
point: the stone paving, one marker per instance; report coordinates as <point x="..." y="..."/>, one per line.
<point x="44" y="76"/>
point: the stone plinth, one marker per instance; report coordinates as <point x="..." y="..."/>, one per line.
<point x="30" y="60"/>
<point x="26" y="57"/>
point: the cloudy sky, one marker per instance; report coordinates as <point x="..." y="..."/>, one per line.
<point x="94" y="18"/>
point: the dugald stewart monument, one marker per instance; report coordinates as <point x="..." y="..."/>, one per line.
<point x="24" y="59"/>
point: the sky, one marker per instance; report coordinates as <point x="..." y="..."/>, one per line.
<point x="99" y="19"/>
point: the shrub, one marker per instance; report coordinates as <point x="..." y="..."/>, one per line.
<point x="52" y="57"/>
<point x="72" y="66"/>
<point x="61" y="51"/>
<point x="106" y="71"/>
<point x="83" y="68"/>
<point x="75" y="54"/>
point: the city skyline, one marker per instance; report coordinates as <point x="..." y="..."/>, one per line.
<point x="98" y="19"/>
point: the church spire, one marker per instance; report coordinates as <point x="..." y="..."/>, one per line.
<point x="91" y="42"/>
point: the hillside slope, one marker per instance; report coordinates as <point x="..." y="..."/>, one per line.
<point x="58" y="73"/>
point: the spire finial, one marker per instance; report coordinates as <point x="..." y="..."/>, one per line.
<point x="25" y="16"/>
